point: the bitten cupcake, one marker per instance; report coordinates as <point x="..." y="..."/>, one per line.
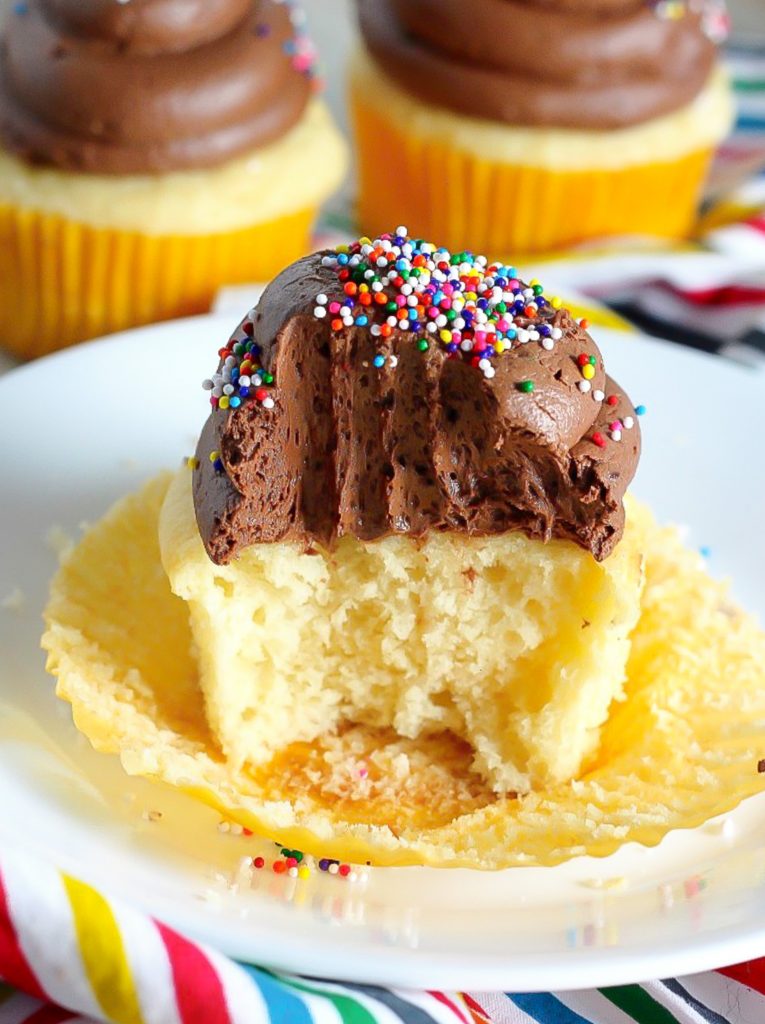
<point x="409" y="613"/>
<point x="408" y="500"/>
<point x="151" y="151"/>
<point x="526" y="126"/>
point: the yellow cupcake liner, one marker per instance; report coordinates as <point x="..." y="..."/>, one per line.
<point x="682" y="747"/>
<point x="62" y="281"/>
<point x="466" y="201"/>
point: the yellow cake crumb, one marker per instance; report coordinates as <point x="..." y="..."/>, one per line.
<point x="514" y="646"/>
<point x="680" y="749"/>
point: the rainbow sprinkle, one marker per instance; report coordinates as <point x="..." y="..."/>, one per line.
<point x="240" y="376"/>
<point x="469" y="308"/>
<point x="301" y="49"/>
<point x="292" y="863"/>
<point x="715" y="20"/>
<point x="473" y="309"/>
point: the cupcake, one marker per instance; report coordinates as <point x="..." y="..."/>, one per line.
<point x="526" y="127"/>
<point x="398" y="607"/>
<point x="410" y="525"/>
<point x="151" y="152"/>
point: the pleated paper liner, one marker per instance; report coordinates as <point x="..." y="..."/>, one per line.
<point x="507" y="210"/>
<point x="63" y="282"/>
<point x="682" y="748"/>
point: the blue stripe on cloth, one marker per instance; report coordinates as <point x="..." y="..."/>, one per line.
<point x="750" y="124"/>
<point x="545" y="1008"/>
<point x="284" y="1007"/>
<point x="408" y="1012"/>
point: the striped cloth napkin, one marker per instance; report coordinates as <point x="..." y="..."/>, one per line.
<point x="74" y="954"/>
<point x="710" y="292"/>
<point x="70" y="953"/>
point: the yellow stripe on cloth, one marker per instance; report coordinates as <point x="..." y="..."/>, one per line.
<point x="103" y="953"/>
<point x="725" y="213"/>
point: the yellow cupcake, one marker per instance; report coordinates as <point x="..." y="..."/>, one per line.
<point x="523" y="129"/>
<point x="516" y="647"/>
<point x="395" y="607"/>
<point x="143" y="166"/>
<point x="682" y="747"/>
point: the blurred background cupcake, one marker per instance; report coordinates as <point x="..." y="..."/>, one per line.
<point x="526" y="126"/>
<point x="151" y="151"/>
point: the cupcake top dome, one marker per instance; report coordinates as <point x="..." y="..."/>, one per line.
<point x="149" y="86"/>
<point x="585" y="64"/>
<point x="392" y="386"/>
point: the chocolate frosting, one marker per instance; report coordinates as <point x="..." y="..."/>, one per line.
<point x="427" y="444"/>
<point x="588" y="64"/>
<point x="149" y="86"/>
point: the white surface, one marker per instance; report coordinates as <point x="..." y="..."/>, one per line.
<point x="82" y="428"/>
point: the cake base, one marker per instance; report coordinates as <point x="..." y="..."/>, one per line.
<point x="516" y="646"/>
<point x="83" y="255"/>
<point x="681" y="748"/>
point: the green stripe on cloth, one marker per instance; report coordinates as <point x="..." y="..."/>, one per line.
<point x="636" y="1002"/>
<point x="350" y="1010"/>
<point x="749" y="85"/>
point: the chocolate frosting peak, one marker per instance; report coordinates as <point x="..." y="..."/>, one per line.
<point x="149" y="86"/>
<point x="327" y="423"/>
<point x="589" y="64"/>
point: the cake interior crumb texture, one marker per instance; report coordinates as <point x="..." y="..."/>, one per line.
<point x="516" y="647"/>
<point x="682" y="747"/>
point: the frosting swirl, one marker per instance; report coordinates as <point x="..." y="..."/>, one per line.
<point x="594" y="64"/>
<point x="149" y="86"/>
<point x="343" y="427"/>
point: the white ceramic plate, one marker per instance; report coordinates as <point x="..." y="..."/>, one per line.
<point x="80" y="429"/>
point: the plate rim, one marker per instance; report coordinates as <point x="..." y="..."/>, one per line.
<point x="399" y="965"/>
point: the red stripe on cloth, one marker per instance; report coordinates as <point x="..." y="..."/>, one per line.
<point x="751" y="974"/>
<point x="452" y="1006"/>
<point x="738" y="150"/>
<point x="732" y="295"/>
<point x="50" y="1015"/>
<point x="198" y="989"/>
<point x="14" y="966"/>
<point x="758" y="223"/>
<point x="479" y="1014"/>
